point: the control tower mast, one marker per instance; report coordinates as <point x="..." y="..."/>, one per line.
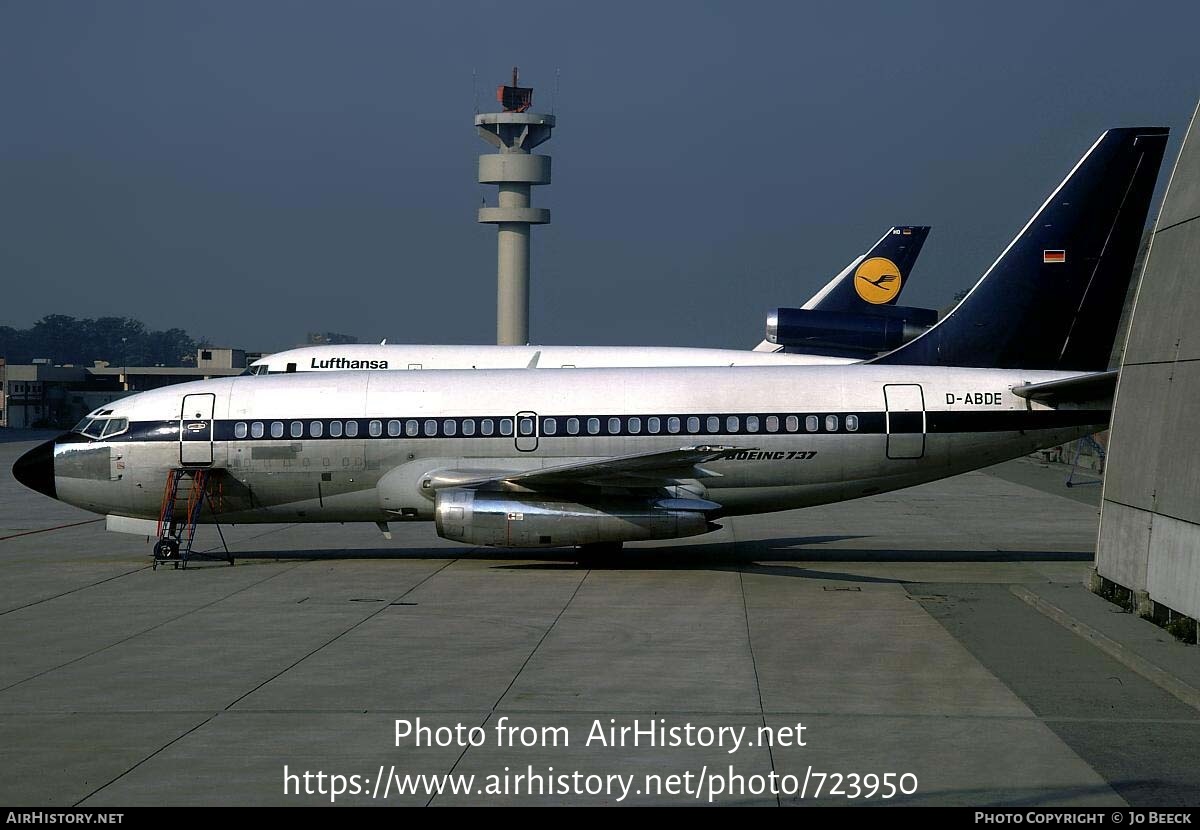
<point x="514" y="133"/>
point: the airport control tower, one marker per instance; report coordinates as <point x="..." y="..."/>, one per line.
<point x="514" y="133"/>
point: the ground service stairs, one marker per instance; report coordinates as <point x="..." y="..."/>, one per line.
<point x="184" y="496"/>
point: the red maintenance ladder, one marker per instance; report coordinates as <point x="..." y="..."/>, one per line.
<point x="177" y="522"/>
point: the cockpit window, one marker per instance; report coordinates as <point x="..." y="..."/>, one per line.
<point x="115" y="426"/>
<point x="93" y="428"/>
<point x="256" y="370"/>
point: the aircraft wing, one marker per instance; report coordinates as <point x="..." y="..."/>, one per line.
<point x="1089" y="388"/>
<point x="652" y="469"/>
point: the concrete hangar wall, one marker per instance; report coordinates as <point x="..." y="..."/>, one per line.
<point x="1150" y="517"/>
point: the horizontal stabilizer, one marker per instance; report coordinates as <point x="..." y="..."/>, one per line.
<point x="1095" y="386"/>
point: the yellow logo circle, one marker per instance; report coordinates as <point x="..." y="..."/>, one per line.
<point x="877" y="280"/>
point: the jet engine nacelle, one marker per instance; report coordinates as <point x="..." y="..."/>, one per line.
<point x="522" y="520"/>
<point x="878" y="331"/>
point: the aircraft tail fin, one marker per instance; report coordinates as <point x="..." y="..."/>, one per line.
<point x="1053" y="298"/>
<point x="877" y="277"/>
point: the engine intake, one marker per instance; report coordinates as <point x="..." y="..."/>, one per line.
<point x="524" y="521"/>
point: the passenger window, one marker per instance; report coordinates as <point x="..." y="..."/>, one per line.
<point x="693" y="424"/>
<point x="335" y="429"/>
<point x="431" y="427"/>
<point x="572" y="426"/>
<point x="635" y="426"/>
<point x="375" y="428"/>
<point x="812" y="423"/>
<point x="351" y="429"/>
<point x="852" y="423"/>
<point x="614" y="426"/>
<point x="469" y="426"/>
<point x="593" y="426"/>
<point x="713" y="423"/>
<point x="732" y="424"/>
<point x="296" y="430"/>
<point x="394" y="428"/>
<point x="653" y="426"/>
<point x="831" y="423"/>
<point x="673" y="425"/>
<point x="315" y="429"/>
<point x="239" y="429"/>
<point x="277" y="429"/>
<point x="526" y="426"/>
<point x="412" y="429"/>
<point x="751" y="423"/>
<point x="772" y="423"/>
<point x="256" y="429"/>
<point x="449" y="427"/>
<point x="486" y="427"/>
<point x="549" y="426"/>
<point x="506" y="426"/>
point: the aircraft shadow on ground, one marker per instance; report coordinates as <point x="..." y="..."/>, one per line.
<point x="758" y="555"/>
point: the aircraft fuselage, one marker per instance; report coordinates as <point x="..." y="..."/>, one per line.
<point x="374" y="446"/>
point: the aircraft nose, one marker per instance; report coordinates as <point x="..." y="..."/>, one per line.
<point x="35" y="469"/>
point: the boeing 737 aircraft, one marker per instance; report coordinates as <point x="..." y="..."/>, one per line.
<point x="597" y="457"/>
<point x="852" y="317"/>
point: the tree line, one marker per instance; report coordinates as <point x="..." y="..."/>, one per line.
<point x="119" y="340"/>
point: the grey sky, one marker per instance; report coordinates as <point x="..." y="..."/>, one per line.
<point x="254" y="170"/>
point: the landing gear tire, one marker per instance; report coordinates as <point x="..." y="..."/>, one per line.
<point x="597" y="554"/>
<point x="166" y="550"/>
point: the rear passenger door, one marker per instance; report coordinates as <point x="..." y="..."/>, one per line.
<point x="905" y="420"/>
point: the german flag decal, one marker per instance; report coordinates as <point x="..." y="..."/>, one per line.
<point x="1054" y="256"/>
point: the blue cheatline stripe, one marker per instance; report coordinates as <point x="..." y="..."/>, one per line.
<point x="868" y="423"/>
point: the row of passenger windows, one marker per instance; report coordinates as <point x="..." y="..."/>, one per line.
<point x="654" y="425"/>
<point x="411" y="428"/>
<point x="624" y="425"/>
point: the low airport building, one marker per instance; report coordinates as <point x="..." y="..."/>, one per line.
<point x="41" y="394"/>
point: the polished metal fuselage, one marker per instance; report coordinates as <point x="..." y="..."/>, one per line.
<point x="968" y="418"/>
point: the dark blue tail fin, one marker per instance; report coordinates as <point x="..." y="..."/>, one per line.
<point x="1053" y="299"/>
<point x="875" y="279"/>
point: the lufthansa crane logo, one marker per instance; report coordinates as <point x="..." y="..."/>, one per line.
<point x="878" y="280"/>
